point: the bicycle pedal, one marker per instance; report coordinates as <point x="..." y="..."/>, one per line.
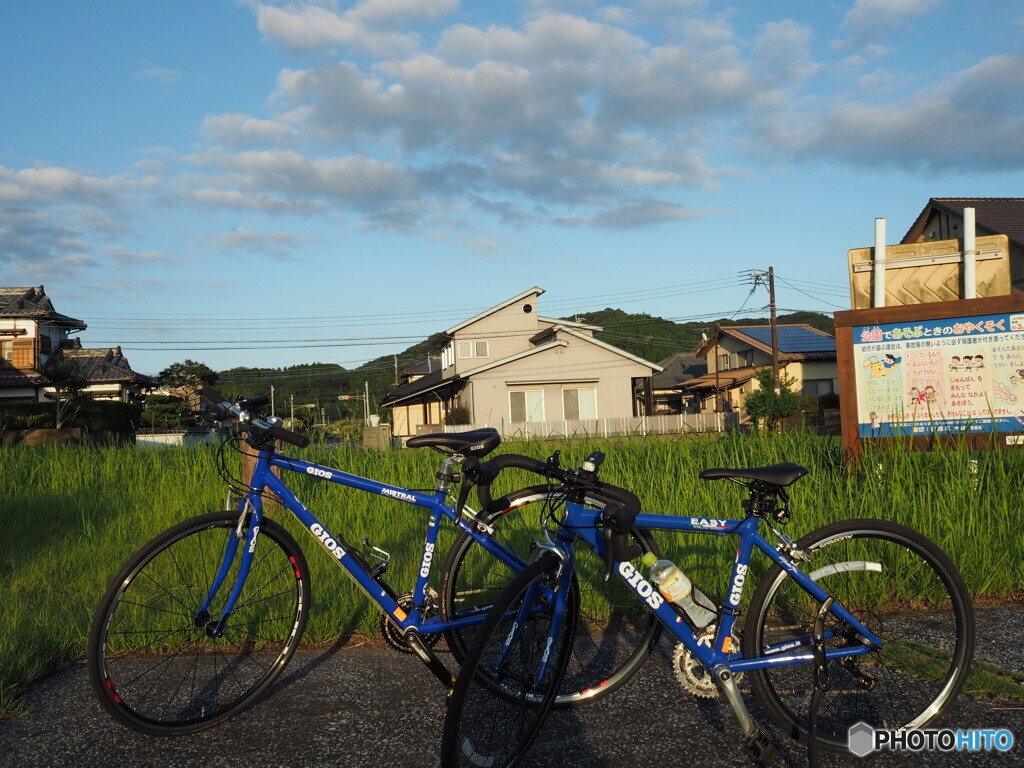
<point x="760" y="747"/>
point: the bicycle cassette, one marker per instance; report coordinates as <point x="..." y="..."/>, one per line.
<point x="393" y="635"/>
<point x="689" y="671"/>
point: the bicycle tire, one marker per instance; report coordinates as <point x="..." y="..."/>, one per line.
<point x="151" y="661"/>
<point x="482" y="728"/>
<point x="615" y="633"/>
<point x="906" y="591"/>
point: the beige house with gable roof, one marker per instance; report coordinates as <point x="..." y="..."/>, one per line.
<point x="511" y="366"/>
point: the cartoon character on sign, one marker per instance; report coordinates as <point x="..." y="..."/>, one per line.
<point x="1004" y="392"/>
<point x="890" y="362"/>
<point x="876" y="424"/>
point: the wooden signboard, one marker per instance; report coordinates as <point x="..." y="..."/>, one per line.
<point x="952" y="369"/>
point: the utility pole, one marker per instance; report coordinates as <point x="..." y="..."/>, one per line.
<point x="775" y="327"/>
<point x="396" y="369"/>
<point x="293" y="411"/>
<point x="366" y="403"/>
<point x="272" y="411"/>
<point x="759" y="278"/>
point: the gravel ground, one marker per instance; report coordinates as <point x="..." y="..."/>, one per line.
<point x="365" y="705"/>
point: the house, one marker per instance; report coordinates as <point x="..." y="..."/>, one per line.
<point x="735" y="354"/>
<point x="109" y="373"/>
<point x="943" y="219"/>
<point x="676" y="369"/>
<point x="32" y="333"/>
<point x="510" y="365"/>
<point x="929" y="264"/>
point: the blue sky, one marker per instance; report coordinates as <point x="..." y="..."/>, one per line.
<point x="272" y="183"/>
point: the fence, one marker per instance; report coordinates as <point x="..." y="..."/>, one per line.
<point x="673" y="424"/>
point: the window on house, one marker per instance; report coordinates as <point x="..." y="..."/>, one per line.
<point x="579" y="403"/>
<point x="473" y="349"/>
<point x="818" y="387"/>
<point x="723" y="362"/>
<point x="6" y="353"/>
<point x="743" y="359"/>
<point x="526" y="405"/>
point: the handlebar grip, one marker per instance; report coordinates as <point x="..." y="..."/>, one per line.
<point x="615" y="493"/>
<point x="287" y="436"/>
<point x="489" y="470"/>
<point x="252" y="403"/>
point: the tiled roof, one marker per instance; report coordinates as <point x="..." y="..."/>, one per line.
<point x="680" y="367"/>
<point x="32" y="303"/>
<point x="423" y="367"/>
<point x="992" y="216"/>
<point x="403" y="391"/>
<point x="105" y="365"/>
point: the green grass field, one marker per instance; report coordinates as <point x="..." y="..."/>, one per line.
<point x="72" y="516"/>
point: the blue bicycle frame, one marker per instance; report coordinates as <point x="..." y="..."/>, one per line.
<point x="583" y="522"/>
<point x="264" y="479"/>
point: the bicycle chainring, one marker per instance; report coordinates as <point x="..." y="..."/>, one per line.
<point x="393" y="635"/>
<point x="691" y="674"/>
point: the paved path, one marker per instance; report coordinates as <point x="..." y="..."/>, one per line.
<point x="366" y="706"/>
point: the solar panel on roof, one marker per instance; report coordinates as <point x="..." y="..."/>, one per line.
<point x="793" y="339"/>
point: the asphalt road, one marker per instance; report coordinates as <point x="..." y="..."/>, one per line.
<point x="367" y="706"/>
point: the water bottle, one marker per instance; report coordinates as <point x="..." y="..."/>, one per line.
<point x="677" y="588"/>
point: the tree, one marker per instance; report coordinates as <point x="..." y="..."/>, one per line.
<point x="68" y="379"/>
<point x="768" y="407"/>
<point x="188" y="378"/>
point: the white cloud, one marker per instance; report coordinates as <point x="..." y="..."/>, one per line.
<point x="126" y="257"/>
<point x="238" y="130"/>
<point x="276" y="244"/>
<point x="303" y="27"/>
<point x="868" y="20"/>
<point x="51" y="184"/>
<point x="160" y="75"/>
<point x="255" y="201"/>
<point x="970" y="121"/>
<point x="33" y="244"/>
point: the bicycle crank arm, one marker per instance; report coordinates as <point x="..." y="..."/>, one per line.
<point x="428" y="657"/>
<point x="759" y="745"/>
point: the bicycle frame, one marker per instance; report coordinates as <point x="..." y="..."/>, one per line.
<point x="583" y="523"/>
<point x="263" y="479"/>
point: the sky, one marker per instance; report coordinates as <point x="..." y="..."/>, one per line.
<point x="251" y="183"/>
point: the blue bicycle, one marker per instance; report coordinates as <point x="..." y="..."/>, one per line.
<point x="203" y="619"/>
<point x="860" y="620"/>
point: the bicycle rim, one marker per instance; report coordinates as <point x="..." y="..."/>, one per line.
<point x="614" y="633"/>
<point x="907" y="592"/>
<point x="153" y="662"/>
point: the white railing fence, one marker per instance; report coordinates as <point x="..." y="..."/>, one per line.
<point x="673" y="424"/>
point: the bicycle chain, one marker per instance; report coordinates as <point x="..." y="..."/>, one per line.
<point x="393" y="635"/>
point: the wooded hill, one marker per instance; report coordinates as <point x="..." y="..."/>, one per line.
<point x="320" y="384"/>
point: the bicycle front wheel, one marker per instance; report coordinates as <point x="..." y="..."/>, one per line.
<point x="905" y="590"/>
<point x="155" y="659"/>
<point x="510" y="676"/>
<point x="615" y="633"/>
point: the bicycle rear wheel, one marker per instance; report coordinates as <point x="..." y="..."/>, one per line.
<point x="510" y="676"/>
<point x="614" y="634"/>
<point x="152" y="661"/>
<point x="906" y="591"/>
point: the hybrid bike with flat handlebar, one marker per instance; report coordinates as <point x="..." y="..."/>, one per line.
<point x="857" y="621"/>
<point x="202" y="620"/>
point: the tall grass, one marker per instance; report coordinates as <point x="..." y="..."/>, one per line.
<point x="71" y="516"/>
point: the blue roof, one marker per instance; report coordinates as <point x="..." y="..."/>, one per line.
<point x="793" y="339"/>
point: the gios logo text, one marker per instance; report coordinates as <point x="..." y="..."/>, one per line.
<point x="737" y="585"/>
<point x="428" y="556"/>
<point x="325" y="538"/>
<point x="643" y="587"/>
<point x="319" y="472"/>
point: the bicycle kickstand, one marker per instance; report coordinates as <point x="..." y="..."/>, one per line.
<point x="821" y="683"/>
